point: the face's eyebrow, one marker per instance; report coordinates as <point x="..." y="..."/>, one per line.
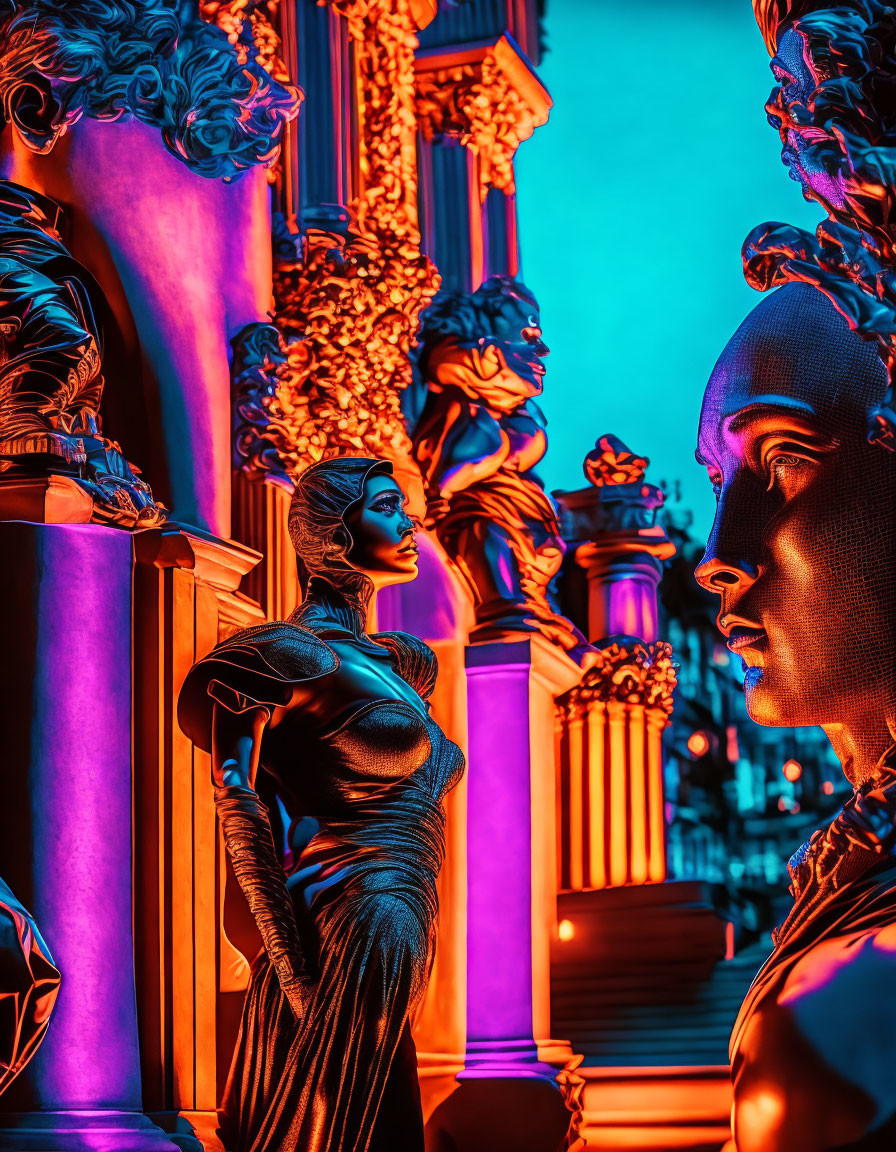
<point x="763" y="408"/>
<point x="394" y="494"/>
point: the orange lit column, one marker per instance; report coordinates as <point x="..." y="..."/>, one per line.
<point x="190" y="977"/>
<point x="657" y="719"/>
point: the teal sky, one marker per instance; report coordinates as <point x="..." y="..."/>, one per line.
<point x="634" y="200"/>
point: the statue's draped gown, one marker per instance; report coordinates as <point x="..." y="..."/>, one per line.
<point x="343" y="1077"/>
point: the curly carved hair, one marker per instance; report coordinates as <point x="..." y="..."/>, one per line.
<point x="471" y="316"/>
<point x="218" y="109"/>
<point x="324" y="495"/>
<point x="850" y="116"/>
<point x="772" y="15"/>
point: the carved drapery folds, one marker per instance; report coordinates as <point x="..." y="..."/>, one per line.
<point x="491" y="103"/>
<point x="347" y="304"/>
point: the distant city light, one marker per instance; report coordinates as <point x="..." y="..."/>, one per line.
<point x="566" y="930"/>
<point x="782" y="804"/>
<point x="828" y="787"/>
<point x="731" y="745"/>
<point x="698" y="744"/>
<point x="792" y="770"/>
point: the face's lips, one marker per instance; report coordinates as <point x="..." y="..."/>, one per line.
<point x="741" y="637"/>
<point x="410" y="546"/>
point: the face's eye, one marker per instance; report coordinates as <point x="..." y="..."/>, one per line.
<point x="781" y="467"/>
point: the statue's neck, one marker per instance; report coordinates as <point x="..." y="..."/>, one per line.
<point x="325" y="605"/>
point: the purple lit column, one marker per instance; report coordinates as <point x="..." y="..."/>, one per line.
<point x="511" y="854"/>
<point x="65" y="829"/>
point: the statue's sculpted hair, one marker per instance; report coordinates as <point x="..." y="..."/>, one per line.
<point x="468" y="317"/>
<point x="217" y="108"/>
<point x="324" y="495"/>
<point x="847" y="125"/>
<point x="772" y="15"/>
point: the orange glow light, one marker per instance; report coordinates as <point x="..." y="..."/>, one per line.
<point x="698" y="744"/>
<point x="792" y="770"/>
<point x="828" y="787"/>
<point x="566" y="930"/>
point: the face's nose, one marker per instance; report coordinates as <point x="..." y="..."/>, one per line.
<point x="731" y="561"/>
<point x="406" y="525"/>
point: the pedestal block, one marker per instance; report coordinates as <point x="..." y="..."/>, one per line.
<point x="511" y="899"/>
<point x="65" y="829"/>
<point x="191" y="974"/>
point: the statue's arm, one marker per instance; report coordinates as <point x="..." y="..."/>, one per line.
<point x="475" y="449"/>
<point x="815" y="1066"/>
<point x="245" y="822"/>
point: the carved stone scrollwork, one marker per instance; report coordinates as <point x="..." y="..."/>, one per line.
<point x="627" y="671"/>
<point x="348" y="303"/>
<point x="491" y="104"/>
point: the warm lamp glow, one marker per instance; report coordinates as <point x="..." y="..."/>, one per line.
<point x="698" y="744"/>
<point x="792" y="770"/>
<point x="566" y="930"/>
<point x="828" y="787"/>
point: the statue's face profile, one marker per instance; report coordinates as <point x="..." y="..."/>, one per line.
<point x="802" y="552"/>
<point x="517" y="338"/>
<point x="383" y="544"/>
<point x="789" y="111"/>
<point x="503" y="369"/>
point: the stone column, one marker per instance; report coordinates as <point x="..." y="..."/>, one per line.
<point x="508" y="1089"/>
<point x="65" y="829"/>
<point x="191" y="973"/>
<point x="616" y="541"/>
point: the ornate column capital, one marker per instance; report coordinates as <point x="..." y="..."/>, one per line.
<point x="488" y="96"/>
<point x="627" y="671"/>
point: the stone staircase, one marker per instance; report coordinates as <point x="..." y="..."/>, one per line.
<point x="642" y="988"/>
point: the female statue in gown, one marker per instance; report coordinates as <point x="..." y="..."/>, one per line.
<point x="338" y="720"/>
<point x="802" y="555"/>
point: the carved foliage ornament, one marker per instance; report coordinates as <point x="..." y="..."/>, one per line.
<point x="347" y="306"/>
<point x="611" y="462"/>
<point x="843" y="120"/>
<point x="479" y="104"/>
<point x="627" y="672"/>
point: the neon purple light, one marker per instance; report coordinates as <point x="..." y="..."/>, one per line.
<point x="81" y="816"/>
<point x="499" y="892"/>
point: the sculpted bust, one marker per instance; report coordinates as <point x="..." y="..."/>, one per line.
<point x="478" y="441"/>
<point x="802" y="556"/>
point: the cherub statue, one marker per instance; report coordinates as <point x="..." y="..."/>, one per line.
<point x="477" y="442"/>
